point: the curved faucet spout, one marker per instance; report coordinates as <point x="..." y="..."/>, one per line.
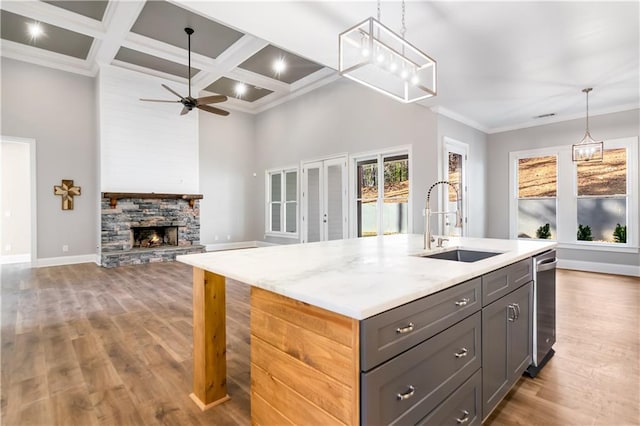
<point x="428" y="213"/>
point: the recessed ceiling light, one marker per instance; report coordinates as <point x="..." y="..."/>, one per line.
<point x="279" y="65"/>
<point x="240" y="89"/>
<point x="34" y="29"/>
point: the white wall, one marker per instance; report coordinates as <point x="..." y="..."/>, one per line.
<point x="145" y="146"/>
<point x="344" y="117"/>
<point x="57" y="109"/>
<point x="608" y="126"/>
<point x="227" y="158"/>
<point x="476" y="170"/>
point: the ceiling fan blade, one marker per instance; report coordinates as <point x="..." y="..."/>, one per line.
<point x="157" y="100"/>
<point x="171" y="90"/>
<point x="184" y="111"/>
<point x="213" y="110"/>
<point x="211" y="99"/>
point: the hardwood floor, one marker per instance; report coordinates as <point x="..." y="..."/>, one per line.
<point x="83" y="345"/>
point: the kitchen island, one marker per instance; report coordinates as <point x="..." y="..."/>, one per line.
<point x="308" y="304"/>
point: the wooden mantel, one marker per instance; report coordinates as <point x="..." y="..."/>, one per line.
<point x="115" y="196"/>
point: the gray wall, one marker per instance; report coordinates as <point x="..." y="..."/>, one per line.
<point x="226" y="156"/>
<point x="343" y="117"/>
<point x="476" y="170"/>
<point x="57" y="109"/>
<point x="609" y="126"/>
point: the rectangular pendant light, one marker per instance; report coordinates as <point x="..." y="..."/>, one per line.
<point x="376" y="57"/>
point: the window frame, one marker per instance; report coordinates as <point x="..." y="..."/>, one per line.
<point x="379" y="156"/>
<point x="283" y="202"/>
<point x="514" y="158"/>
<point x="567" y="198"/>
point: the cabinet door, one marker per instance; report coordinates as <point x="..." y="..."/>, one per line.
<point x="495" y="361"/>
<point x="521" y="331"/>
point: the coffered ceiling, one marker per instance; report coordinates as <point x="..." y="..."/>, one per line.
<point x="149" y="37"/>
<point x="500" y="64"/>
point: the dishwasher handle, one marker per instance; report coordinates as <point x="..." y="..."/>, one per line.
<point x="546" y="264"/>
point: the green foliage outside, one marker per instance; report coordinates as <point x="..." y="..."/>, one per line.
<point x="584" y="233"/>
<point x="543" y="232"/>
<point x="620" y="234"/>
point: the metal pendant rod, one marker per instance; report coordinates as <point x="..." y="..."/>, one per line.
<point x="189" y="31"/>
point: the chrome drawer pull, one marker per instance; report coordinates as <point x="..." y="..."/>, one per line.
<point x="517" y="306"/>
<point x="464" y="418"/>
<point x="462" y="353"/>
<point x="403" y="330"/>
<point x="515" y="315"/>
<point x="408" y="394"/>
<point x="463" y="302"/>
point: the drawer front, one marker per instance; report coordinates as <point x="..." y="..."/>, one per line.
<point x="461" y="407"/>
<point x="385" y="335"/>
<point x="498" y="283"/>
<point x="405" y="389"/>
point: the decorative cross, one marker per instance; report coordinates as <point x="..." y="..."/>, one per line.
<point x="67" y="191"/>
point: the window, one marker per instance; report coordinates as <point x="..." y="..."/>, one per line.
<point x="602" y="198"/>
<point x="586" y="204"/>
<point x="382" y="209"/>
<point x="282" y="202"/>
<point x="537" y="190"/>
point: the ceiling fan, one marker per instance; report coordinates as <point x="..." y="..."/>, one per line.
<point x="189" y="102"/>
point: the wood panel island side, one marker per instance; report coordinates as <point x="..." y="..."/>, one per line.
<point x="355" y="331"/>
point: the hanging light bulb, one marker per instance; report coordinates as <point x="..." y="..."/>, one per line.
<point x="414" y="79"/>
<point x="364" y="42"/>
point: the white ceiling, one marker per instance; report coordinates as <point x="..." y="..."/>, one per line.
<point x="499" y="63"/>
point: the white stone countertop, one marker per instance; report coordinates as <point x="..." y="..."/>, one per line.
<point x="360" y="277"/>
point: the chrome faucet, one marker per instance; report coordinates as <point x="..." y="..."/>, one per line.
<point x="428" y="239"/>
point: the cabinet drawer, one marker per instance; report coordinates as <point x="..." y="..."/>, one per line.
<point x="387" y="334"/>
<point x="405" y="389"/>
<point x="461" y="407"/>
<point x="498" y="283"/>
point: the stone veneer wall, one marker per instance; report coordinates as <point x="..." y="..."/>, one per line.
<point x="117" y="222"/>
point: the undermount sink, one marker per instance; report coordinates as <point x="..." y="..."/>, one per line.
<point x="461" y="255"/>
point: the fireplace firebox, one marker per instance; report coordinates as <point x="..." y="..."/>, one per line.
<point x="154" y="236"/>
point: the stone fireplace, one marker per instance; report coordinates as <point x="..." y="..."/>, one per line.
<point x="148" y="227"/>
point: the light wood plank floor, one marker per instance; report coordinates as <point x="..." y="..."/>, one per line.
<point x="83" y="345"/>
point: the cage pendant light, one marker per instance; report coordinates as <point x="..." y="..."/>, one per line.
<point x="588" y="149"/>
<point x="375" y="56"/>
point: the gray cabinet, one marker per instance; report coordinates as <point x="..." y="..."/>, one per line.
<point x="464" y="406"/>
<point x="392" y="332"/>
<point x="507" y="333"/>
<point x="504" y="280"/>
<point x="404" y="389"/>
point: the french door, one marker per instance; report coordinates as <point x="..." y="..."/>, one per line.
<point x="324" y="200"/>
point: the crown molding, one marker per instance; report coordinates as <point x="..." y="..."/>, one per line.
<point x="438" y="109"/>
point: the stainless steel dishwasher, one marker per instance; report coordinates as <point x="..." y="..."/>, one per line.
<point x="544" y="310"/>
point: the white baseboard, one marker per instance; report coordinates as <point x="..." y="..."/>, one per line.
<point x="15" y="258"/>
<point x="65" y="260"/>
<point x="604" y="268"/>
<point x="237" y="245"/>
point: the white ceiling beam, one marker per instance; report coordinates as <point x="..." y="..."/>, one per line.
<point x="312" y="78"/>
<point x="236" y="54"/>
<point x="45" y="58"/>
<point x="148" y="71"/>
<point x="166" y="51"/>
<point x="45" y="12"/>
<point x="119" y="18"/>
<point x="258" y="80"/>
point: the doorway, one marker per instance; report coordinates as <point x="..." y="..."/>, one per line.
<point x="455" y="158"/>
<point x="18" y="201"/>
<point x="324" y="200"/>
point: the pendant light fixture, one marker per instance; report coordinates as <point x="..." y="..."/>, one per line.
<point x="588" y="149"/>
<point x="373" y="55"/>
